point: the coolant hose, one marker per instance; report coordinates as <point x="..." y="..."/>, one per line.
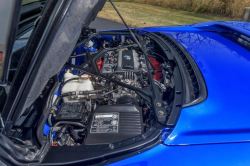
<point x="49" y="120"/>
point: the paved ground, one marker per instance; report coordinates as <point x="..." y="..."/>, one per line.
<point x="102" y="24"/>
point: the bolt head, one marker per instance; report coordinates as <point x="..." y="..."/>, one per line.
<point x="111" y="146"/>
<point x="158" y="104"/>
<point x="160" y="112"/>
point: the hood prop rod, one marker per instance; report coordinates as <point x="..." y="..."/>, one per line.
<point x="132" y="34"/>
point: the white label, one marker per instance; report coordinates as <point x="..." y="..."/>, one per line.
<point x="105" y="123"/>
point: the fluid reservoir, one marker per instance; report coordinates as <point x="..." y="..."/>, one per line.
<point x="81" y="84"/>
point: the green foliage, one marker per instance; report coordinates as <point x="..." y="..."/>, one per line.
<point x="228" y="8"/>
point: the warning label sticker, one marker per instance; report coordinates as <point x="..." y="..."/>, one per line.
<point x="105" y="123"/>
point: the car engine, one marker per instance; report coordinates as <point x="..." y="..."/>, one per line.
<point x="103" y="98"/>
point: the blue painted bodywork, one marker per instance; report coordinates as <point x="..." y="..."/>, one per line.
<point x="209" y="133"/>
<point x="235" y="154"/>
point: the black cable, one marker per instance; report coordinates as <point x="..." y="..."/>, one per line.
<point x="132" y="34"/>
<point x="141" y="78"/>
<point x="54" y="107"/>
<point x="158" y="55"/>
<point x="91" y="36"/>
<point x="71" y="79"/>
<point x="78" y="44"/>
<point x="85" y="41"/>
<point x="60" y="97"/>
<point x="95" y="91"/>
<point x="83" y="54"/>
<point x="100" y="102"/>
<point x="98" y="40"/>
<point x="78" y="55"/>
<point x="110" y="91"/>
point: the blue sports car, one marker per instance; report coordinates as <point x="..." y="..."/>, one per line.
<point x="69" y="95"/>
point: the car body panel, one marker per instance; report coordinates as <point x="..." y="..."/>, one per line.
<point x="243" y="27"/>
<point x="192" y="155"/>
<point x="225" y="65"/>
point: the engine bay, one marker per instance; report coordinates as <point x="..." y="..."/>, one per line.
<point x="110" y="91"/>
<point x="91" y="97"/>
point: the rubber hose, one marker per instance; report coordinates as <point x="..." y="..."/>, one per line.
<point x="71" y="79"/>
<point x="60" y="97"/>
<point x="18" y="139"/>
<point x="73" y="134"/>
<point x="83" y="54"/>
<point x="70" y="123"/>
<point x="49" y="120"/>
<point x="39" y="132"/>
<point x="54" y="105"/>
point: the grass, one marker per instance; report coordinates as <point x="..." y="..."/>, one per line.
<point x="227" y="8"/>
<point x="143" y="15"/>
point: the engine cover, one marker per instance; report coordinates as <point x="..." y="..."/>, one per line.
<point x="122" y="61"/>
<point x="110" y="124"/>
<point x="128" y="60"/>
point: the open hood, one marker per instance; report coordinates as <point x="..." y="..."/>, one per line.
<point x="53" y="38"/>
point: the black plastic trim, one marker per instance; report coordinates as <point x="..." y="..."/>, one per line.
<point x="167" y="50"/>
<point x="178" y="99"/>
<point x="57" y="155"/>
<point x="197" y="78"/>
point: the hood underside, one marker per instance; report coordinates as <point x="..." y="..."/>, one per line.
<point x="63" y="29"/>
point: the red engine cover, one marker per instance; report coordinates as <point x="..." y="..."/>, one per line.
<point x="156" y="65"/>
<point x="100" y="63"/>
